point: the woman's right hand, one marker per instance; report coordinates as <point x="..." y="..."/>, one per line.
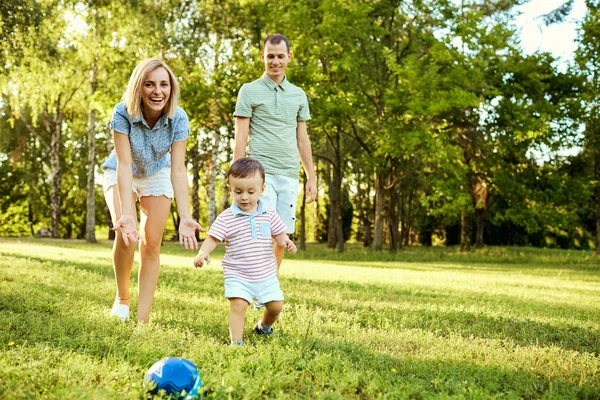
<point x="128" y="228"/>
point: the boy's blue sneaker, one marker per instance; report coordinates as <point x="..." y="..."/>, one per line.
<point x="258" y="328"/>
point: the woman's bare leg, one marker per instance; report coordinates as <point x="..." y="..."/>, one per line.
<point x="153" y="218"/>
<point x="122" y="255"/>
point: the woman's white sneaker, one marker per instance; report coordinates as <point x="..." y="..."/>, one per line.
<point x="120" y="311"/>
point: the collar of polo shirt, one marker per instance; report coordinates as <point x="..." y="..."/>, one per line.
<point x="260" y="209"/>
<point x="272" y="85"/>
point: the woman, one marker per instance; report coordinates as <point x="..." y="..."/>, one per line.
<point x="147" y="163"/>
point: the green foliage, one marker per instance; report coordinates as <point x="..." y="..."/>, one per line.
<point x="431" y="323"/>
<point x="432" y="95"/>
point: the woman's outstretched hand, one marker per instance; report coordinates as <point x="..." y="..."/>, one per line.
<point x="128" y="227"/>
<point x="187" y="233"/>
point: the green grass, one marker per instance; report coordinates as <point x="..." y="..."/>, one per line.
<point x="501" y="323"/>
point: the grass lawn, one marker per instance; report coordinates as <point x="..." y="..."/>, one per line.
<point x="501" y="323"/>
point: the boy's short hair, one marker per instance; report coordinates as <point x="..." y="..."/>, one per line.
<point x="277" y="38"/>
<point x="246" y="167"/>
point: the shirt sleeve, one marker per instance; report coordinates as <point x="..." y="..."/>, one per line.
<point x="218" y="229"/>
<point x="304" y="111"/>
<point x="277" y="224"/>
<point x="181" y="126"/>
<point x="243" y="104"/>
<point x="120" y="120"/>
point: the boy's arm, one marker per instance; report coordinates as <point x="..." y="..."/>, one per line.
<point x="209" y="244"/>
<point x="283" y="240"/>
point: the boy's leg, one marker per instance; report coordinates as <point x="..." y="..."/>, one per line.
<point x="237" y="313"/>
<point x="271" y="313"/>
<point x="271" y="295"/>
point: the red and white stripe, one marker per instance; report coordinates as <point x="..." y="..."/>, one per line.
<point x="247" y="259"/>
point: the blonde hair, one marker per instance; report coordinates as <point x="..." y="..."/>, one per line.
<point x="133" y="95"/>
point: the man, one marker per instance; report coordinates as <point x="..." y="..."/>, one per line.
<point x="271" y="115"/>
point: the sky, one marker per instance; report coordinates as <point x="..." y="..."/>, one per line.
<point x="558" y="39"/>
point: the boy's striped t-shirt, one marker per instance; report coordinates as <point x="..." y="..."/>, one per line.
<point x="249" y="248"/>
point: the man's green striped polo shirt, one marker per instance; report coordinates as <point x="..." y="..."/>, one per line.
<point x="274" y="111"/>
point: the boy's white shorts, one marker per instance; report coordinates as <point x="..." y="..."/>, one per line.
<point x="157" y="184"/>
<point x="263" y="291"/>
<point x="281" y="194"/>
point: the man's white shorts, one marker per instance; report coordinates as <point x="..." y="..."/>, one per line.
<point x="281" y="194"/>
<point x="263" y="291"/>
<point x="157" y="184"/>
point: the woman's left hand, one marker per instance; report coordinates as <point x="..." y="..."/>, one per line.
<point x="187" y="233"/>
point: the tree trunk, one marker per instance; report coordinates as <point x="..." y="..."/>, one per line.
<point x="407" y="219"/>
<point x="393" y="220"/>
<point x="196" y="162"/>
<point x="54" y="128"/>
<point x="597" y="192"/>
<point x="317" y="212"/>
<point x="90" y="217"/>
<point x="360" y="204"/>
<point x="336" y="229"/>
<point x="331" y="231"/>
<point x="464" y="232"/>
<point x="479" y="222"/>
<point x="30" y="218"/>
<point x="479" y="196"/>
<point x="303" y="216"/>
<point x="379" y="210"/>
<point x="212" y="179"/>
<point x="337" y="182"/>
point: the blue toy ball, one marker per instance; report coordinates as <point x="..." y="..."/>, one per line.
<point x="174" y="375"/>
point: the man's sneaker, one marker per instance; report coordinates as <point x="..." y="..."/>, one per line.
<point x="238" y="342"/>
<point x="259" y="330"/>
<point x="258" y="305"/>
<point x="120" y="311"/>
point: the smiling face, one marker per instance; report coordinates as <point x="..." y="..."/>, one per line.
<point x="276" y="58"/>
<point x="156" y="91"/>
<point x="246" y="191"/>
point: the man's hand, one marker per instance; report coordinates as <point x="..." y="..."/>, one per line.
<point x="311" y="190"/>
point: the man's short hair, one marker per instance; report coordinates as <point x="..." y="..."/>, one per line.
<point x="246" y="167"/>
<point x="277" y="38"/>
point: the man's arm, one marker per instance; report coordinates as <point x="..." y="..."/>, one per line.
<point x="307" y="161"/>
<point x="242" y="130"/>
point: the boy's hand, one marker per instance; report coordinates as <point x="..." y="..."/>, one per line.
<point x="200" y="259"/>
<point x="290" y="246"/>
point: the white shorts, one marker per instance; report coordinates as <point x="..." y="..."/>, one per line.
<point x="157" y="184"/>
<point x="263" y="291"/>
<point x="281" y="194"/>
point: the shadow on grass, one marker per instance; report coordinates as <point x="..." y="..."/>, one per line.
<point x="317" y="364"/>
<point x="333" y="297"/>
<point x="336" y="298"/>
<point x="313" y="367"/>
